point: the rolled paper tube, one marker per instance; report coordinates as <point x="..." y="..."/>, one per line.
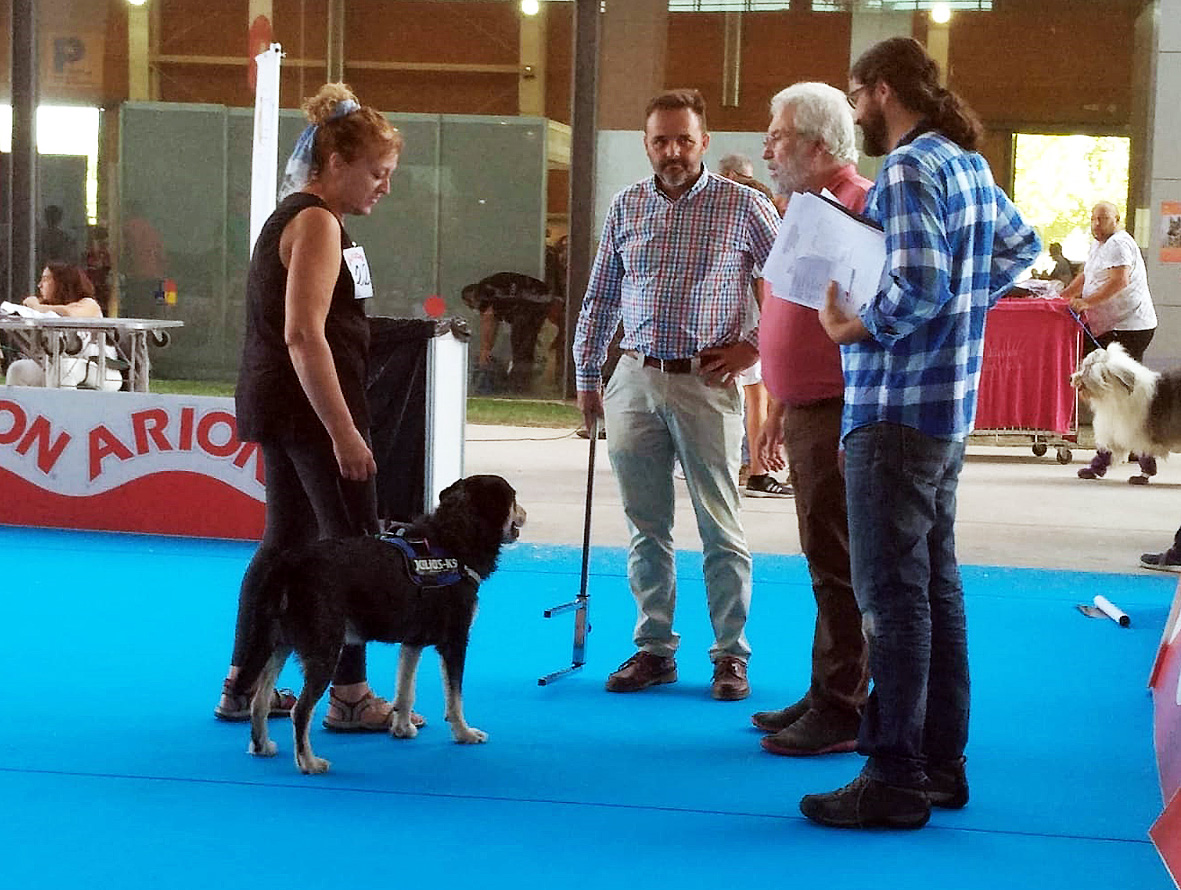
<point x="1112" y="611"/>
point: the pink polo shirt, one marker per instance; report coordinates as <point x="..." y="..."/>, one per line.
<point x="801" y="364"/>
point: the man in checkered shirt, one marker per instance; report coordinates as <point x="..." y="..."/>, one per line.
<point x="911" y="361"/>
<point x="675" y="264"/>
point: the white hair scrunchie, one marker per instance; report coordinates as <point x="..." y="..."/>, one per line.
<point x="299" y="165"/>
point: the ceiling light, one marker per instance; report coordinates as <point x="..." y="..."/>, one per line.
<point x="940" y="13"/>
<point x="530" y="7"/>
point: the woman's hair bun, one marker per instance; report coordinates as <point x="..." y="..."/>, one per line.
<point x="319" y="108"/>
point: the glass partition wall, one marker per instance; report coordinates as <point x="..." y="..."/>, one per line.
<point x="468" y="200"/>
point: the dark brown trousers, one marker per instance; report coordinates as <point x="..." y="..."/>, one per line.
<point x="840" y="672"/>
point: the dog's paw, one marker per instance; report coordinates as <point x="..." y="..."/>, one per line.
<point x="312" y="765"/>
<point x="405" y="730"/>
<point x="267" y="749"/>
<point x="469" y="735"/>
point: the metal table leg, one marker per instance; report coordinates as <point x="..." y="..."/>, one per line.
<point x="100" y="383"/>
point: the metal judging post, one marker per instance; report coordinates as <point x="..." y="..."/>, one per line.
<point x="580" y="605"/>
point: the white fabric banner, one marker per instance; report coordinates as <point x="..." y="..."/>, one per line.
<point x="264" y="170"/>
<point x="137" y="462"/>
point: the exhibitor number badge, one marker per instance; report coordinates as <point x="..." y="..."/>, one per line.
<point x="354" y="258"/>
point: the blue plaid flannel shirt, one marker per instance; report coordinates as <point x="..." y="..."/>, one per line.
<point x="954" y="244"/>
<point x="678" y="273"/>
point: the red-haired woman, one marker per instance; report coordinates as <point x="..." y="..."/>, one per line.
<point x="301" y="383"/>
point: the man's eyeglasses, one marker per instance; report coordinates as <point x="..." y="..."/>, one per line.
<point x="855" y="94"/>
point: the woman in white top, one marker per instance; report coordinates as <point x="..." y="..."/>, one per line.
<point x="64" y="290"/>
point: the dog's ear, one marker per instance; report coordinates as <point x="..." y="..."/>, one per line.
<point x="1125" y="377"/>
<point x="455" y="489"/>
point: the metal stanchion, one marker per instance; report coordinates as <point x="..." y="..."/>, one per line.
<point x="581" y="604"/>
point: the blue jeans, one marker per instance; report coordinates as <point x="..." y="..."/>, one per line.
<point x="901" y="491"/>
<point x="654" y="417"/>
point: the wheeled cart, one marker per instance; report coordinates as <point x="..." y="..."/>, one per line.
<point x="1031" y="347"/>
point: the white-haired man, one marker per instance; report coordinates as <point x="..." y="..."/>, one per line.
<point x="736" y="163"/>
<point x="810" y="146"/>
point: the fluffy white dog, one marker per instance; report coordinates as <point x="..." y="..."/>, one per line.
<point x="1135" y="409"/>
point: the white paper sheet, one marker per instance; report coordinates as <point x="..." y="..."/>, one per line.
<point x="22" y="310"/>
<point x="820" y="242"/>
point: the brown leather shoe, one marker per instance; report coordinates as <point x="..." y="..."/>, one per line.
<point x="641" y="671"/>
<point x="730" y="683"/>
<point x="774" y="721"/>
<point x="817" y="732"/>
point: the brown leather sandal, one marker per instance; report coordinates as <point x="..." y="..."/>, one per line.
<point x="236" y="708"/>
<point x="363" y="715"/>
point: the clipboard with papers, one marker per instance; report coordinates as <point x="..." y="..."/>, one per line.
<point x="820" y="241"/>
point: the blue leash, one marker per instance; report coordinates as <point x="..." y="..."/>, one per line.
<point x="1082" y="324"/>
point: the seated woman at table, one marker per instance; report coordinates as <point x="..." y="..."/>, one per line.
<point x="66" y="291"/>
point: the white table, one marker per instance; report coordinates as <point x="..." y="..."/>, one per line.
<point x="52" y="334"/>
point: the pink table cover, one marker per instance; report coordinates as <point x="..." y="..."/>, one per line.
<point x="1031" y="348"/>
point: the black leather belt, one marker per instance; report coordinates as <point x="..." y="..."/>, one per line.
<point x="667" y="365"/>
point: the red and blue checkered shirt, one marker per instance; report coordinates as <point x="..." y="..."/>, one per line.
<point x="954" y="244"/>
<point x="678" y="273"/>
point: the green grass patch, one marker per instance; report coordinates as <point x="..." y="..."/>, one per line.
<point x="550" y="413"/>
<point x="192" y="387"/>
<point x="523" y="412"/>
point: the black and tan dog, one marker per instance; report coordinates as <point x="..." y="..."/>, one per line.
<point x="360" y="589"/>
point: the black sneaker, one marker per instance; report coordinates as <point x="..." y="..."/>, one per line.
<point x="765" y="485"/>
<point x="868" y="803"/>
<point x="1169" y="561"/>
<point x="947" y="785"/>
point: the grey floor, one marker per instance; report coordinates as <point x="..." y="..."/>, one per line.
<point x="1015" y="509"/>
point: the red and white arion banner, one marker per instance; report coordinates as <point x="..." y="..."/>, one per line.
<point x="133" y="462"/>
<point x="1166" y="696"/>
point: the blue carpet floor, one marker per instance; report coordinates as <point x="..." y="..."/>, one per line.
<point x="115" y="774"/>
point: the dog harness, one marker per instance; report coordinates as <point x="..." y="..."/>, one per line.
<point x="427" y="565"/>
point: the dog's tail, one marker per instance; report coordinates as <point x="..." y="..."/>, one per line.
<point x="260" y="604"/>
